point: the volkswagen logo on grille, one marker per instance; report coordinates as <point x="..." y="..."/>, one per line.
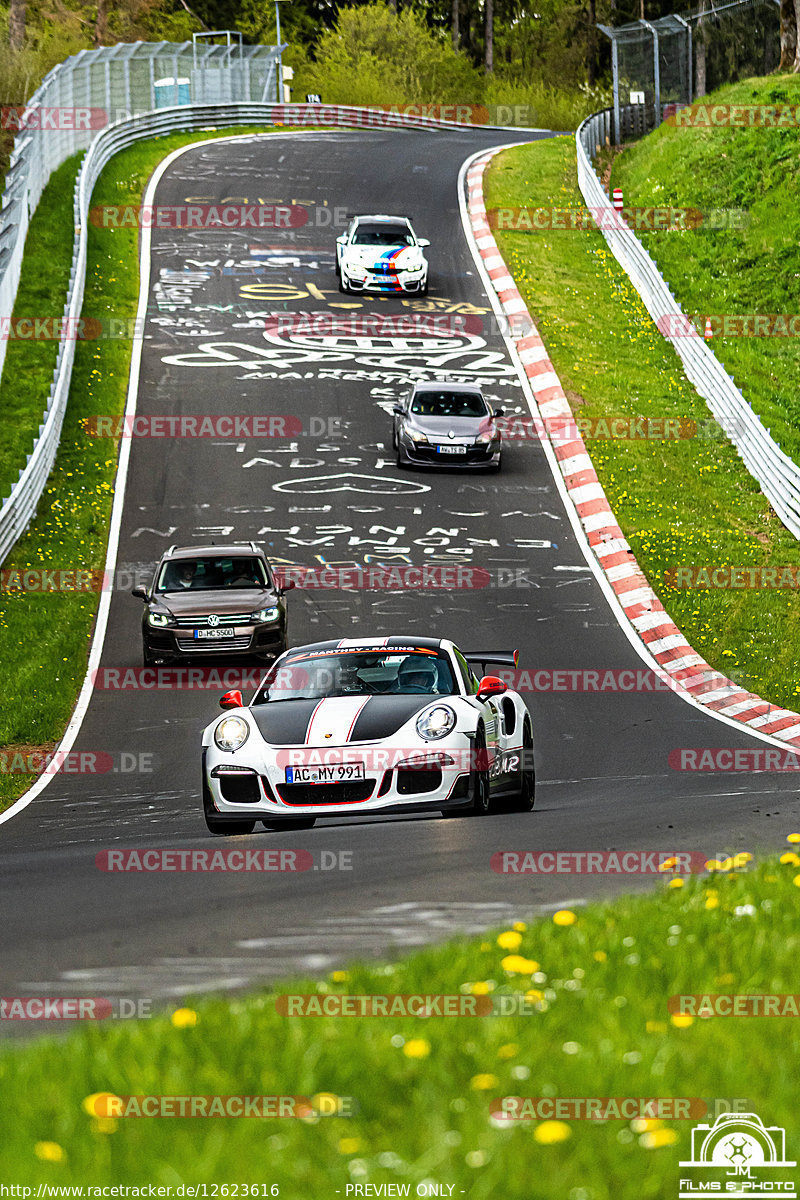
<point x="213" y="619"/>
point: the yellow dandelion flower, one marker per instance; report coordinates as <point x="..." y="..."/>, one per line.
<point x="793" y="837"/>
<point x="98" y="1104"/>
<point x="796" y="881"/>
<point x="480" y="988"/>
<point x="509" y="1050"/>
<point x="668" y="864"/>
<point x="339" y="976"/>
<point x="510" y="940"/>
<point x="712" y="902"/>
<point x="515" y="964"/>
<point x="349" y="1145"/>
<point x="646" y="1124"/>
<point x="417" y="1048"/>
<point x="658" y="1138"/>
<point x="483" y="1083"/>
<point x="599" y="956"/>
<point x="49" y="1152"/>
<point x="713" y="864"/>
<point x="682" y="1020"/>
<point x="548" y="1133"/>
<point x="184" y="1018"/>
<point x="789" y="859"/>
<point x="675" y="883"/>
<point x="520" y="926"/>
<point x="564" y="916"/>
<point x="656" y="1026"/>
<point x="104" y="1125"/>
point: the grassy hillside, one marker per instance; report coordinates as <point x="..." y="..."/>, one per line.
<point x="753" y="270"/>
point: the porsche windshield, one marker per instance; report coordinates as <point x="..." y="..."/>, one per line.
<point x="382" y="235"/>
<point x="316" y="676"/>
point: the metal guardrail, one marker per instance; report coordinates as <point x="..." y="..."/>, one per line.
<point x="20" y="507"/>
<point x="776" y="473"/>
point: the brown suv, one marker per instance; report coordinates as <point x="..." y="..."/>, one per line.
<point x="213" y="600"/>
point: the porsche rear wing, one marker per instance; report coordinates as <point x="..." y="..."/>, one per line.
<point x="498" y="658"/>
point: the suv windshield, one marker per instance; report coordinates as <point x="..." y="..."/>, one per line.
<point x="382" y="235"/>
<point x="449" y="404"/>
<point x="316" y="675"/>
<point x="210" y="574"/>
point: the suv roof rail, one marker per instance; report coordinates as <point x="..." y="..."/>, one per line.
<point x="172" y="549"/>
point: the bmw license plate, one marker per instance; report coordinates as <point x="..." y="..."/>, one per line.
<point x="214" y="633"/>
<point x="330" y="773"/>
<point x="452" y="449"/>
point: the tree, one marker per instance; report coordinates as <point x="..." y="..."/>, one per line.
<point x="16" y="24"/>
<point x="488" y="56"/>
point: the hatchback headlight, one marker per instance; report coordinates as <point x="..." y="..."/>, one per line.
<point x="416" y="435"/>
<point x="265" y="614"/>
<point x="436" y="722"/>
<point x="489" y="435"/>
<point x="159" y="619"/>
<point x="231" y="733"/>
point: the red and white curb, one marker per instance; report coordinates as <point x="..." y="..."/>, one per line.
<point x="687" y="670"/>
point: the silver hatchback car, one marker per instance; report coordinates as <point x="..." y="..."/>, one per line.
<point x="446" y="425"/>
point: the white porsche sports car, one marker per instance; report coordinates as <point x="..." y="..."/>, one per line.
<point x="397" y="724"/>
<point x="381" y="254"/>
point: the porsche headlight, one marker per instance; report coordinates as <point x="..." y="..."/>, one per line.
<point x="265" y="614"/>
<point x="159" y="619"/>
<point x="436" y="722"/>
<point x="231" y="733"/>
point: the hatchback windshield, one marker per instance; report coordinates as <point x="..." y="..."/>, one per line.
<point x="315" y="675"/>
<point x="382" y="235"/>
<point x="207" y="574"/>
<point x="449" y="404"/>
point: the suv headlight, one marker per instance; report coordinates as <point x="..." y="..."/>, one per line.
<point x="436" y="722"/>
<point x="416" y="435"/>
<point x="265" y="614"/>
<point x="231" y="733"/>
<point x="160" y="619"/>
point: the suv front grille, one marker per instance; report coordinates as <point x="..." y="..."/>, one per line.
<point x="202" y="620"/>
<point x="214" y="645"/>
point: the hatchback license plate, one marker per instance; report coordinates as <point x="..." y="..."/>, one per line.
<point x="452" y="449"/>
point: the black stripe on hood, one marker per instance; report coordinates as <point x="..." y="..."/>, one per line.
<point x="383" y="715"/>
<point x="284" y="722"/>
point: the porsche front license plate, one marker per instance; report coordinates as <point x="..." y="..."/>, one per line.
<point x="214" y="633"/>
<point x="334" y="773"/>
<point x="452" y="449"/>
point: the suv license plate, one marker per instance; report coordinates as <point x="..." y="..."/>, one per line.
<point x="214" y="633"/>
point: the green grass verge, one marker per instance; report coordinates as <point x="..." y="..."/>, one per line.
<point x="678" y="502"/>
<point x="29" y="365"/>
<point x="754" y="270"/>
<point x="598" y="1024"/>
<point x="44" y="638"/>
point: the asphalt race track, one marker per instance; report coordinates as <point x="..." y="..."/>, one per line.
<point x="337" y="497"/>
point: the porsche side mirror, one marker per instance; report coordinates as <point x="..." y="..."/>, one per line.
<point x="423" y="241"/>
<point x="490" y="685"/>
<point x="140" y="593"/>
<point x="231" y="699"/>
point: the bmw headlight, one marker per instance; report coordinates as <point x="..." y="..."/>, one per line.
<point x="231" y="733"/>
<point x="265" y="614"/>
<point x="416" y="435"/>
<point x="436" y="722"/>
<point x="159" y="619"/>
<point x="412" y="270"/>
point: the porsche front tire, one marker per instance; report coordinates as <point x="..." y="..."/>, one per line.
<point x="481" y="804"/>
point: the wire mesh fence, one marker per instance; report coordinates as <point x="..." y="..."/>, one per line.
<point x="676" y="59"/>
